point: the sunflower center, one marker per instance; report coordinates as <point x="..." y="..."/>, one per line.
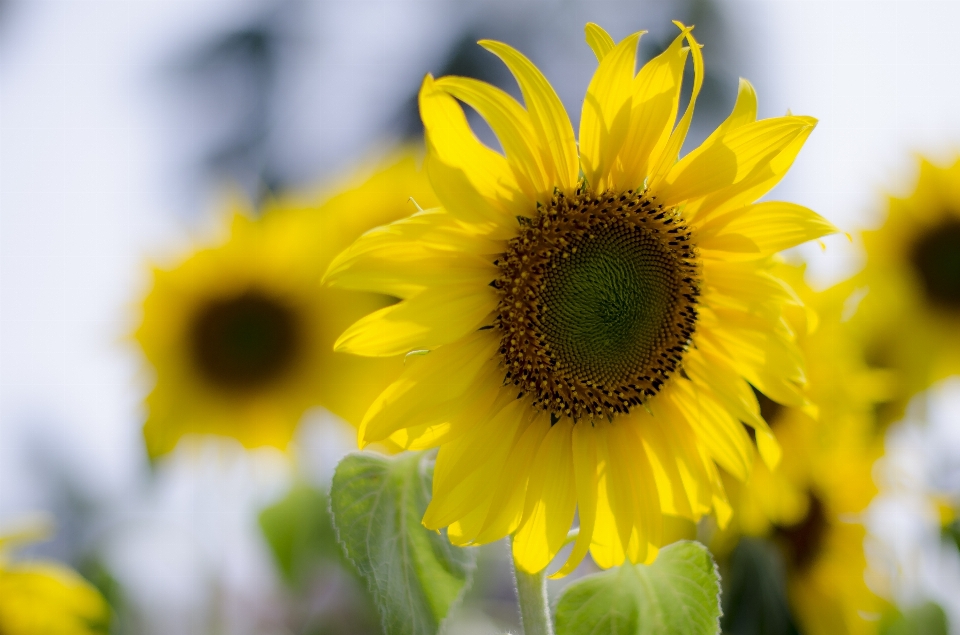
<point x="936" y="257"/>
<point x="803" y="541"/>
<point x="598" y="302"/>
<point x="244" y="341"/>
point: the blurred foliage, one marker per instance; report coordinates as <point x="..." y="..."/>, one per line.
<point x="327" y="597"/>
<point x="98" y="574"/>
<point x="415" y="574"/>
<point x="300" y="533"/>
<point x="675" y="595"/>
<point x="926" y="619"/>
<point x="754" y="591"/>
<point x="951" y="532"/>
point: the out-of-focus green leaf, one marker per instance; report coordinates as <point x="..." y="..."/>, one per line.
<point x="677" y="594"/>
<point x="755" y="593"/>
<point x="300" y="533"/>
<point x="95" y="571"/>
<point x="951" y="532"/>
<point x="926" y="619"/>
<point x="415" y="574"/>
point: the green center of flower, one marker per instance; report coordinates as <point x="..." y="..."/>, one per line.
<point x="936" y="257"/>
<point x="608" y="299"/>
<point x="598" y="303"/>
<point x="244" y="341"/>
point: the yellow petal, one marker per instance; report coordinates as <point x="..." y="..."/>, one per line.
<point x="547" y="113"/>
<point x="512" y="125"/>
<point x="723" y="435"/>
<point x="744" y="112"/>
<point x="405" y="269"/>
<point x="466" y="467"/>
<point x="664" y="465"/>
<point x="636" y="504"/>
<point x="656" y="100"/>
<point x="435" y="422"/>
<point x="749" y="189"/>
<point x="736" y="395"/>
<point x="605" y="547"/>
<point x="473" y="182"/>
<point x="721" y="506"/>
<point x="429" y="319"/>
<point x="675" y="142"/>
<point x="506" y="510"/>
<point x="769" y="447"/>
<point x="746" y="288"/>
<point x="768" y="362"/>
<point x="772" y="226"/>
<point x="551" y="501"/>
<point x="370" y="262"/>
<point x="585" y="472"/>
<point x="683" y="444"/>
<point x="605" y="117"/>
<point x="428" y="382"/>
<point x="738" y="155"/>
<point x="599" y="40"/>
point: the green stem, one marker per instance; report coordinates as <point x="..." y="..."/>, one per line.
<point x="534" y="605"/>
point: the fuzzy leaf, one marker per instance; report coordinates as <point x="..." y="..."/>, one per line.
<point x="677" y="594"/>
<point x="414" y="574"/>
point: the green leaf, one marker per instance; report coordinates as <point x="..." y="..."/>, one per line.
<point x="926" y="619"/>
<point x="951" y="533"/>
<point x="300" y="533"/>
<point x="414" y="574"/>
<point x="755" y="591"/>
<point x="678" y="594"/>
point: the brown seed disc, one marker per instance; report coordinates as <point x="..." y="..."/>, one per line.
<point x="598" y="302"/>
<point x="245" y="341"/>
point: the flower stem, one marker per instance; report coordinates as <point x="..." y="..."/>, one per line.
<point x="534" y="605"/>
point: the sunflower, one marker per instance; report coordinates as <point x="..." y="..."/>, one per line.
<point x="581" y="325"/>
<point x="46" y="598"/>
<point x="240" y="334"/>
<point x="810" y="506"/>
<point x="910" y="314"/>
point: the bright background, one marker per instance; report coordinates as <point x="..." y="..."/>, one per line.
<point x="121" y="122"/>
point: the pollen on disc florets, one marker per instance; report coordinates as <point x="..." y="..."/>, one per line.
<point x="598" y="296"/>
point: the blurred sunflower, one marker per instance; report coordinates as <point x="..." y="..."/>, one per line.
<point x="810" y="505"/>
<point x="46" y="598"/>
<point x="911" y="311"/>
<point x="555" y="296"/>
<point x="240" y="334"/>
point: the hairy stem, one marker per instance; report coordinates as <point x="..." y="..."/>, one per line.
<point x="534" y="605"/>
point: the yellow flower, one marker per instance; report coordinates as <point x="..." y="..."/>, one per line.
<point x="240" y="334"/>
<point x="46" y="598"/>
<point x="554" y="298"/>
<point x="810" y="505"/>
<point x="910" y="315"/>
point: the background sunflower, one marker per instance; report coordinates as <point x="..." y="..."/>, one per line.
<point x="240" y="334"/>
<point x="43" y="597"/>
<point x="909" y="315"/>
<point x="810" y="510"/>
